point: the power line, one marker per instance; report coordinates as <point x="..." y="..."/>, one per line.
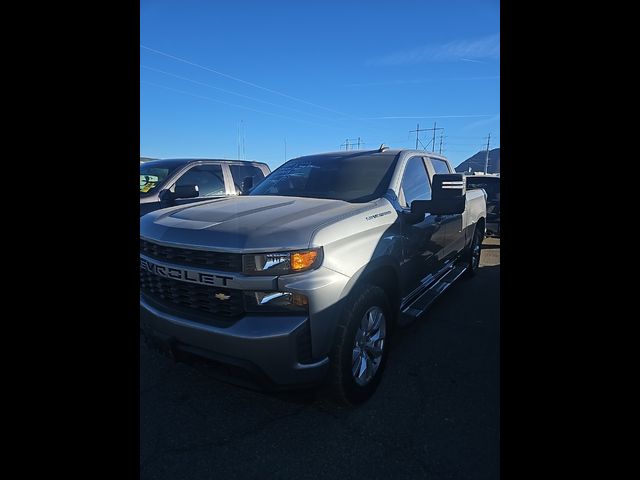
<point x="183" y="60"/>
<point x="239" y="94"/>
<point x="188" y="62"/>
<point x="236" y="105"/>
<point x="241" y="80"/>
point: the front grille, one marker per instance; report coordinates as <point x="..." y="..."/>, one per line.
<point x="221" y="261"/>
<point x="191" y="296"/>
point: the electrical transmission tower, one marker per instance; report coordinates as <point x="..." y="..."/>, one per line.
<point x="417" y="130"/>
<point x="354" y="141"/>
<point x="433" y="141"/>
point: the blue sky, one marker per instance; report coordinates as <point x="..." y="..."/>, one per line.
<point x="315" y="74"/>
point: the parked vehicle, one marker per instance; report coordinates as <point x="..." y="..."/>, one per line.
<point x="491" y="185"/>
<point x="164" y="183"/>
<point x="304" y="279"/>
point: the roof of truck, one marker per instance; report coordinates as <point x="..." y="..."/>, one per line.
<point x="176" y="162"/>
<point x="387" y="151"/>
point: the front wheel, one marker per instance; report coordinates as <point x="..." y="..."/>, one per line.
<point x="361" y="346"/>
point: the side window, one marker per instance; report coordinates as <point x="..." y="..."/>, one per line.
<point x="439" y="166"/>
<point x="240" y="172"/>
<point x="208" y="178"/>
<point x="415" y="182"/>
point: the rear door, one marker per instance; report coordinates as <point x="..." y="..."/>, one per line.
<point x="239" y="171"/>
<point x="423" y="242"/>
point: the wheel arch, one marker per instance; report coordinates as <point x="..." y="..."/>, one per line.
<point x="383" y="272"/>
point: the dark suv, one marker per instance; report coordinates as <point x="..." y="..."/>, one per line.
<point x="491" y="185"/>
<point x="164" y="183"/>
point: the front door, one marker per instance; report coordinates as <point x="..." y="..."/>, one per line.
<point x="209" y="179"/>
<point x="423" y="243"/>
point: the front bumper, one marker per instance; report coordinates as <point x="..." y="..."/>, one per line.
<point x="267" y="347"/>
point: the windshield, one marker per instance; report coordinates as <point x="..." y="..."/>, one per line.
<point x="359" y="177"/>
<point x="153" y="174"/>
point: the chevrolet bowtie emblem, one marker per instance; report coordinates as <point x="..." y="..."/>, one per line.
<point x="222" y="296"/>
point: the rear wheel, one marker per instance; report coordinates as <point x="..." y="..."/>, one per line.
<point x="472" y="255"/>
<point x="361" y="346"/>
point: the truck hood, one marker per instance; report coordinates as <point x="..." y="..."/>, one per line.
<point x="247" y="224"/>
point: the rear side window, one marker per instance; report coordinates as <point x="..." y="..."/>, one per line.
<point x="490" y="184"/>
<point x="415" y="182"/>
<point x="240" y="172"/>
<point x="208" y="178"/>
<point x="440" y="166"/>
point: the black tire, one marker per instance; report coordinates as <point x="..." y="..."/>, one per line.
<point x="472" y="253"/>
<point x="342" y="386"/>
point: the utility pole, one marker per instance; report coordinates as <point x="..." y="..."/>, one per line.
<point x="238" y="141"/>
<point x="345" y="144"/>
<point x="440" y="144"/>
<point x="433" y="142"/>
<point x="244" y="154"/>
<point x="486" y="162"/>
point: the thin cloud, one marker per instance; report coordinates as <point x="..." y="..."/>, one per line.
<point x="470" y="60"/>
<point x="482" y="48"/>
<point x="420" y="80"/>
<point x="480" y="123"/>
<point x="430" y="116"/>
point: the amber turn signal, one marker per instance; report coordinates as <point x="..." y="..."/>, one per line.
<point x="303" y="260"/>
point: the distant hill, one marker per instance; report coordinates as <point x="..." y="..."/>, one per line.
<point x="476" y="162"/>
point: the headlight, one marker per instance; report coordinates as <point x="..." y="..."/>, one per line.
<point x="275" y="302"/>
<point x="281" y="263"/>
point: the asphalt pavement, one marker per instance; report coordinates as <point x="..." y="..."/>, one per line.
<point x="435" y="414"/>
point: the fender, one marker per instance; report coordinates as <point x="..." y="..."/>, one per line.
<point x="364" y="271"/>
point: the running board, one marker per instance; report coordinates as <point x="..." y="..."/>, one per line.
<point x="424" y="301"/>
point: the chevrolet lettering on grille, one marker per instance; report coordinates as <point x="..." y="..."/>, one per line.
<point x="183" y="274"/>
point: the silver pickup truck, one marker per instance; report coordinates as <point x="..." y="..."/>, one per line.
<point x="303" y="280"/>
<point x="179" y="181"/>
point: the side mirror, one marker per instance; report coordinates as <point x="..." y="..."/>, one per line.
<point x="186" y="191"/>
<point x="167" y="197"/>
<point x="247" y="184"/>
<point x="448" y="194"/>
